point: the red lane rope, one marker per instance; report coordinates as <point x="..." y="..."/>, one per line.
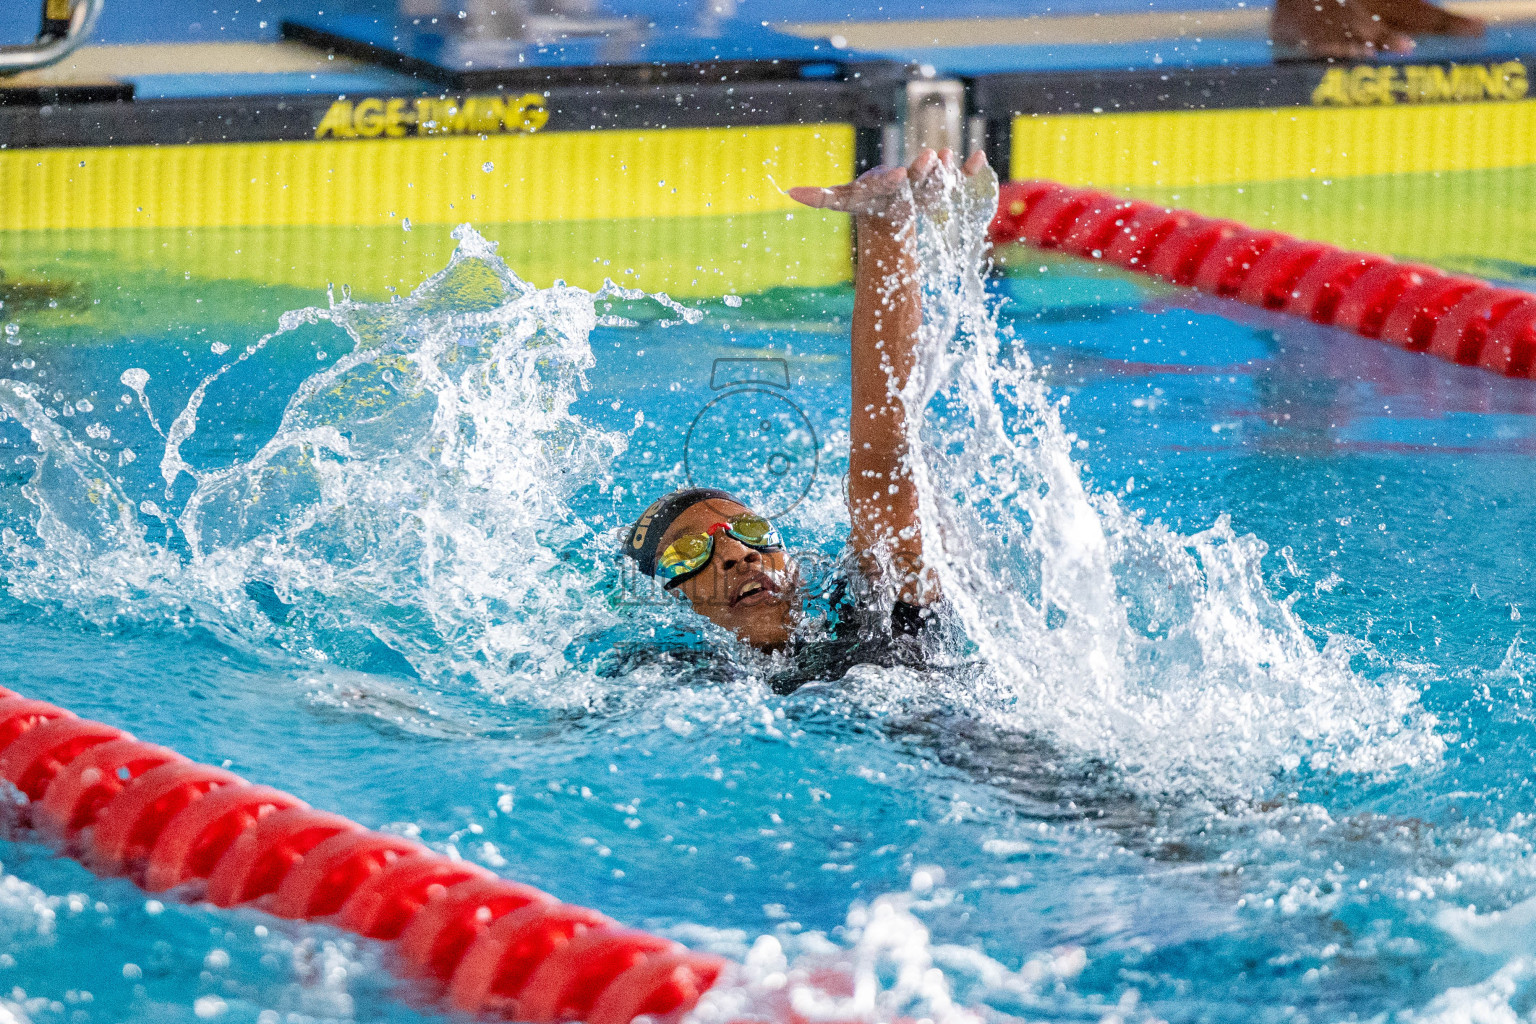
<point x="488" y="945"/>
<point x="1459" y="319"/>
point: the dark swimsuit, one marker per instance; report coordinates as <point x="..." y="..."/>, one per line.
<point x="854" y="634"/>
<point x="859" y="635"/>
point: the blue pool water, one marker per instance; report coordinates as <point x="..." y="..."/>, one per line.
<point x="1240" y="728"/>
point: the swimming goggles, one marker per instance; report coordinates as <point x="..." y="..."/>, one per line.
<point x="690" y="553"/>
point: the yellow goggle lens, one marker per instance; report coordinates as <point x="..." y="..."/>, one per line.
<point x="685" y="549"/>
<point x="752" y="529"/>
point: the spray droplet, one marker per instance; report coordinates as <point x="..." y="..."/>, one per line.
<point x="487" y="167"/>
<point x="734" y="301"/>
<point x="134" y="377"/>
<point x="406" y="224"/>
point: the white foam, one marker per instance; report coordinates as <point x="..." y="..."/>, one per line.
<point x="1490" y="1001"/>
<point x="887" y="967"/>
<point x="1162" y="653"/>
<point x="418" y="489"/>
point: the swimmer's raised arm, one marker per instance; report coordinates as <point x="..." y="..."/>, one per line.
<point x="887" y="312"/>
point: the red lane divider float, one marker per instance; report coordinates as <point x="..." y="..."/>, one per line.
<point x="1418" y="308"/>
<point x="491" y="946"/>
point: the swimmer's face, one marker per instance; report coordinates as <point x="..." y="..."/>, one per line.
<point x="752" y="593"/>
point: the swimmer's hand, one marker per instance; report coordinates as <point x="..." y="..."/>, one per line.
<point x="891" y="193"/>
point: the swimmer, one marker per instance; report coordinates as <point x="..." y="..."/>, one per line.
<point x="729" y="562"/>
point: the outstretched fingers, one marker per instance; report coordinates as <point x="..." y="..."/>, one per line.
<point x="820" y="198"/>
<point x="882" y="190"/>
<point x="925" y="163"/>
<point x="927" y="174"/>
<point x="872" y="192"/>
<point x="938" y="177"/>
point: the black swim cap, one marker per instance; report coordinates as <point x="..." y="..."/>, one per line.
<point x="645" y="536"/>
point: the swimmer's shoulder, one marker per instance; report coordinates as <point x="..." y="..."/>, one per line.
<point x="905" y="636"/>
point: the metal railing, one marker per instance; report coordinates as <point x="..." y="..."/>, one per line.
<point x="39" y="55"/>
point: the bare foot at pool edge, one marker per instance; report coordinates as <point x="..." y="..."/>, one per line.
<point x="1362" y="28"/>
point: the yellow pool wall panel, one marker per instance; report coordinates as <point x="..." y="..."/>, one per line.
<point x="1478" y="222"/>
<point x="1171" y="149"/>
<point x="688" y="257"/>
<point x="501" y="178"/>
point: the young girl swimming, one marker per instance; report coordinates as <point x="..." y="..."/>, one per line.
<point x="728" y="561"/>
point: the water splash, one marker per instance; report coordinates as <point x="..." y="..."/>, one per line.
<point x="886" y="971"/>
<point x="1163" y="654"/>
<point x="417" y="491"/>
<point x="86" y="550"/>
<point x="888" y="966"/>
